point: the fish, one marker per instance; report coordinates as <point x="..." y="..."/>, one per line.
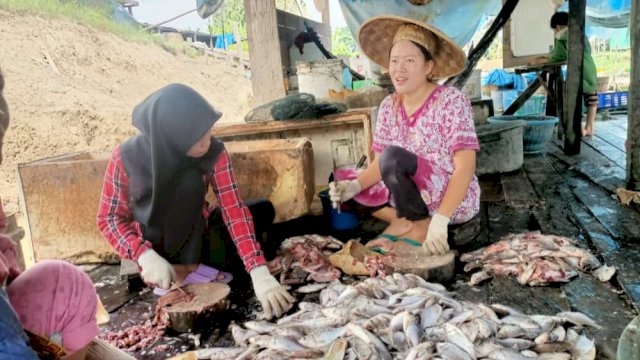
<point x="583" y="349"/>
<point x="554" y="347"/>
<point x="219" y="353"/>
<point x="535" y="259"/>
<point x="529" y="353"/>
<point x="507" y="354"/>
<point x="281" y="343"/>
<point x="558" y="334"/>
<point x="547" y="323"/>
<point x="485" y="348"/>
<point x="470" y="329"/>
<point x="460" y="318"/>
<point x="311" y="288"/>
<point x="456" y="336"/>
<point x="241" y="336"/>
<point x="578" y="318"/>
<point x="260" y="327"/>
<point x="249" y="353"/>
<point x="504" y="310"/>
<point x="410" y="326"/>
<point x="604" y="273"/>
<point x="322" y="338"/>
<point x="369" y="338"/>
<point x="337" y="350"/>
<point x="479" y="277"/>
<point x="435" y="334"/>
<point x="451" y="352"/>
<point x="516" y="344"/>
<point x="554" y="356"/>
<point x="378" y="322"/>
<point x="429" y="316"/>
<point x="486" y="328"/>
<point x="421" y="351"/>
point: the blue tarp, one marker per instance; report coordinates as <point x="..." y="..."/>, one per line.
<point x="503" y="78"/>
<point x="459" y="19"/>
<point x="220" y="39"/>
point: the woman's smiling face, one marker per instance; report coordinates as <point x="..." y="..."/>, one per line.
<point x="408" y="67"/>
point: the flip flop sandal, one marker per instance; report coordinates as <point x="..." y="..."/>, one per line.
<point x="381" y="250"/>
<point x="202" y="274"/>
<point x="393" y="238"/>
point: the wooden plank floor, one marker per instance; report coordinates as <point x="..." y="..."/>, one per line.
<point x="552" y="193"/>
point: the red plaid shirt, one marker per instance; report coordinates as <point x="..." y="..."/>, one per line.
<point x="115" y="217"/>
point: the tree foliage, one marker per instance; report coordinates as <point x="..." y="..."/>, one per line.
<point x="343" y="42"/>
<point x="232" y="12"/>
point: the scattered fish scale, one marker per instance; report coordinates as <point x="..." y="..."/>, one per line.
<point x="345" y="327"/>
<point x="534" y="259"/>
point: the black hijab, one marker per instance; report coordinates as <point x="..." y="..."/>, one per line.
<point x="166" y="187"/>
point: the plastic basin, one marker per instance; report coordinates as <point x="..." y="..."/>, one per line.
<point x="537" y="130"/>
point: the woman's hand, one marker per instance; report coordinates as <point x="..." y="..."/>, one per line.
<point x="274" y="297"/>
<point x="156" y="270"/>
<point x="436" y="242"/>
<point x="342" y="191"/>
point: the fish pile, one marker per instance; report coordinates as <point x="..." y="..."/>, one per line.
<point x="304" y="258"/>
<point x="534" y="259"/>
<point x="137" y="337"/>
<point x="405" y="317"/>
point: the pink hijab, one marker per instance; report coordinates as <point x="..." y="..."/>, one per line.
<point x="56" y="300"/>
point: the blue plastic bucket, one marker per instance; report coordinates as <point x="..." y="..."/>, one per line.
<point x="340" y="221"/>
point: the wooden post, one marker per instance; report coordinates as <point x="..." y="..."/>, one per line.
<point x="633" y="130"/>
<point x="238" y="38"/>
<point x="485" y="42"/>
<point x="267" y="78"/>
<point x="326" y="14"/>
<point x="572" y="119"/>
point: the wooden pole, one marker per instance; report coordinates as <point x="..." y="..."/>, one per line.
<point x="633" y="129"/>
<point x="484" y="43"/>
<point x="326" y="14"/>
<point x="572" y="119"/>
<point x="267" y="78"/>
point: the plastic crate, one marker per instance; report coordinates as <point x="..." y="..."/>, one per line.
<point x="613" y="100"/>
<point x="536" y="105"/>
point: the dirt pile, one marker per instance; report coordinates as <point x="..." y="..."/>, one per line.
<point x="72" y="88"/>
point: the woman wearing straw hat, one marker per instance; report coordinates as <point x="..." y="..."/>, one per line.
<point x="425" y="142"/>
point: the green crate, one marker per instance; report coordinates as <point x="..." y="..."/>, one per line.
<point x="536" y="105"/>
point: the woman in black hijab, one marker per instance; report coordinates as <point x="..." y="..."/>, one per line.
<point x="153" y="206"/>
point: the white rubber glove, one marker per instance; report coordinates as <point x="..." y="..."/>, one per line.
<point x="156" y="270"/>
<point x="342" y="191"/>
<point x="274" y="297"/>
<point x="436" y="241"/>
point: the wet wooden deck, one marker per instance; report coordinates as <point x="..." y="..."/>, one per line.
<point x="553" y="193"/>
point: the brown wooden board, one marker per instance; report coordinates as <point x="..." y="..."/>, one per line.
<point x="111" y="287"/>
<point x="491" y="189"/>
<point x="621" y="222"/>
<point x="547" y="300"/>
<point x="518" y="189"/>
<point x="503" y="220"/>
<point x="612" y="134"/>
<point x="596" y="167"/>
<point x="611" y="152"/>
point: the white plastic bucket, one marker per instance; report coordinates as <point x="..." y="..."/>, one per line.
<point x="318" y="77"/>
<point x="472" y="88"/>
